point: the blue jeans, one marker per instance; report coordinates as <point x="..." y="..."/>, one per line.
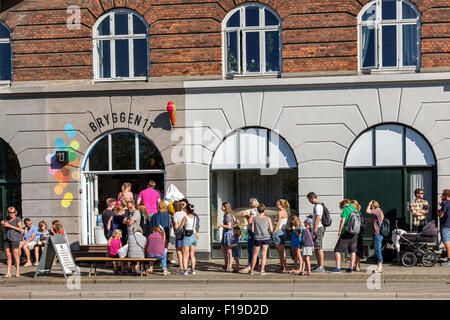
<point x="163" y="258"/>
<point x="250" y="246"/>
<point x="377" y="243"/>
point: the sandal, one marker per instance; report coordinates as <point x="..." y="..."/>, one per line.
<point x="229" y="270"/>
<point x="7" y="275"/>
<point x="222" y="269"/>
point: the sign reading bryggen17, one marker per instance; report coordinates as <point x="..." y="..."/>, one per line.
<point x="122" y="117"/>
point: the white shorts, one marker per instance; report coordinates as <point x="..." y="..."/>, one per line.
<point x="31" y="245"/>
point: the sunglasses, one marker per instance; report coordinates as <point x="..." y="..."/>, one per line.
<point x="12" y="211"/>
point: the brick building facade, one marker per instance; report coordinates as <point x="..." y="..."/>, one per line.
<point x="321" y="103"/>
<point x="185" y="37"/>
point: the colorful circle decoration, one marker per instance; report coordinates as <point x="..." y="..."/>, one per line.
<point x="63" y="174"/>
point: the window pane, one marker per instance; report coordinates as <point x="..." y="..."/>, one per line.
<point x="252" y="48"/>
<point x="418" y="151"/>
<point x="104" y="58"/>
<point x="232" y="52"/>
<point x="4" y="32"/>
<point x="98" y="158"/>
<point x="361" y="152"/>
<point x="408" y="12"/>
<point x="149" y="156"/>
<point x="280" y="153"/>
<point x="5" y="61"/>
<point x="389" y="9"/>
<point x="389" y="49"/>
<point x="270" y="18"/>
<point x="252" y="16"/>
<point x="121" y="23"/>
<point x="140" y="57"/>
<point x="234" y="20"/>
<point x="138" y="26"/>
<point x="123" y="151"/>
<point x="370" y="13"/>
<point x="368" y="46"/>
<point x="409" y="45"/>
<point x="12" y="165"/>
<point x="389" y="145"/>
<point x="272" y="51"/>
<point x="103" y="28"/>
<point x="122" y="58"/>
<point x="253" y="148"/>
<point x="226" y="155"/>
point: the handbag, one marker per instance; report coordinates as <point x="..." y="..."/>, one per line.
<point x="123" y="251"/>
<point x="180" y="234"/>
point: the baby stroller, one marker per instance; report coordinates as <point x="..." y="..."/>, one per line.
<point x="416" y="246"/>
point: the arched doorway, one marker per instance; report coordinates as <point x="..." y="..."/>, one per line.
<point x="387" y="163"/>
<point x="10" y="181"/>
<point x="115" y="158"/>
<point x="251" y="163"/>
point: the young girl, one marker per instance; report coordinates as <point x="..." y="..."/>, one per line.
<point x="125" y="195"/>
<point x="308" y="246"/>
<point x="249" y="216"/>
<point x="117" y="221"/>
<point x="42" y="234"/>
<point x="57" y="228"/>
<point x="114" y="244"/>
<point x="296" y="240"/>
<point x="228" y="222"/>
<point x="237" y="235"/>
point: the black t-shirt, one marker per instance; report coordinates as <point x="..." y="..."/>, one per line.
<point x="106" y="215"/>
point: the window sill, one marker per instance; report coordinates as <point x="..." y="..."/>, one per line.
<point x="5" y="83"/>
<point x="121" y="80"/>
<point x="389" y="71"/>
<point x="254" y="75"/>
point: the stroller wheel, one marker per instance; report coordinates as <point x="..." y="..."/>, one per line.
<point x="429" y="259"/>
<point x="409" y="259"/>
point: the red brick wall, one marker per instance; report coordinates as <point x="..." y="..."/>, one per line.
<point x="185" y="35"/>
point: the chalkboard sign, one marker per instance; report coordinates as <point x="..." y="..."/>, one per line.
<point x="57" y="246"/>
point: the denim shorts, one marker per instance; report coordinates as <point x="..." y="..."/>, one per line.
<point x="236" y="252"/>
<point x="279" y="237"/>
<point x="259" y="243"/>
<point x="190" y="241"/>
<point x="445" y="235"/>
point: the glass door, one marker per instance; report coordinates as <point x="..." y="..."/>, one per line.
<point x="92" y="206"/>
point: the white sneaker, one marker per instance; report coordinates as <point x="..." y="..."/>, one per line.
<point x="183" y="273"/>
<point x="166" y="272"/>
<point x="192" y="272"/>
<point x="36" y="263"/>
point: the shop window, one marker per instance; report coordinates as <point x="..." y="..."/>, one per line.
<point x="387" y="163"/>
<point x="5" y="53"/>
<point x="252" y="41"/>
<point x="389" y="35"/>
<point x="252" y="163"/>
<point x="121" y="46"/>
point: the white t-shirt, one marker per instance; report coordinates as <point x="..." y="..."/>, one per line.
<point x="318" y="211"/>
<point x="178" y="217"/>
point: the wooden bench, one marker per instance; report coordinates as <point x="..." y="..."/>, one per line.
<point x="94" y="260"/>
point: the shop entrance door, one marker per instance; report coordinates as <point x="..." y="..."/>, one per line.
<point x="100" y="187"/>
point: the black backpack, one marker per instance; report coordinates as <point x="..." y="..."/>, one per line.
<point x="326" y="217"/>
<point x="145" y="224"/>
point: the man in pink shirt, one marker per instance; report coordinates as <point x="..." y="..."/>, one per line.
<point x="150" y="198"/>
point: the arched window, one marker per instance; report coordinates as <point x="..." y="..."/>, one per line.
<point x="252" y="41"/>
<point x="5" y="53"/>
<point x="389" y="35"/>
<point x="123" y="151"/>
<point x="121" y="46"/>
<point x="251" y="163"/>
<point x="387" y="163"/>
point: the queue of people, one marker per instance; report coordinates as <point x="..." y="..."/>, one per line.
<point x="144" y="231"/>
<point x="22" y="237"/>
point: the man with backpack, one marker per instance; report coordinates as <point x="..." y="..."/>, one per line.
<point x="320" y="216"/>
<point x="349" y="228"/>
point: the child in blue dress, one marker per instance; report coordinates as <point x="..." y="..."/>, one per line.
<point x="235" y="252"/>
<point x="296" y="241"/>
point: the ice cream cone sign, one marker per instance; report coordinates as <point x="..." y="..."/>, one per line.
<point x="171" y="108"/>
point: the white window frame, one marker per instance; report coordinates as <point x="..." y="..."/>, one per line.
<point x="242" y="31"/>
<point x="112" y="38"/>
<point x="108" y="136"/>
<point x="378" y="23"/>
<point x="7" y="41"/>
